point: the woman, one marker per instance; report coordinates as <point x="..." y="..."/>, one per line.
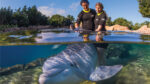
<point x="100" y="17"/>
<point x="86" y="16"/>
<point x="100" y="21"/>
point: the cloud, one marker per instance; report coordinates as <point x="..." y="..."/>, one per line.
<point x="74" y="6"/>
<point x="49" y="11"/>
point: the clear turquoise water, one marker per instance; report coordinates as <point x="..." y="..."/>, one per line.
<point x="26" y="48"/>
<point x="12" y="55"/>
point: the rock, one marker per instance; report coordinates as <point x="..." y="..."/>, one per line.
<point x="117" y="28"/>
<point x="21" y="67"/>
<point x="143" y="30"/>
<point x="140" y="74"/>
<point x="29" y="76"/>
<point x="10" y="70"/>
<point x="109" y="28"/>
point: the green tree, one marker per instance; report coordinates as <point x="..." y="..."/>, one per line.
<point x="68" y="20"/>
<point x="123" y="22"/>
<point x="43" y="20"/>
<point x="25" y="10"/>
<point x="144" y="8"/>
<point x="57" y="20"/>
<point x="145" y="23"/>
<point x="71" y="18"/>
<point x="35" y="17"/>
<point x="27" y="16"/>
<point x="136" y="26"/>
<point x="20" y="18"/>
<point x="6" y="16"/>
<point x="139" y="25"/>
<point x="109" y="22"/>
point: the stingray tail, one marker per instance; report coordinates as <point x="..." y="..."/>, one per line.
<point x="104" y="72"/>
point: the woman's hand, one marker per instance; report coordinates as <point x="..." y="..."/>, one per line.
<point x="99" y="28"/>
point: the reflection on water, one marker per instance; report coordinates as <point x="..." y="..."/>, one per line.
<point x="66" y="36"/>
<point x="15" y="38"/>
<point x="26" y="64"/>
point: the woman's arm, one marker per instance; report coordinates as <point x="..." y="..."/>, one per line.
<point x="102" y="22"/>
<point x="99" y="28"/>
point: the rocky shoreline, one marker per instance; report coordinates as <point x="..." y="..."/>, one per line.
<point x="143" y="30"/>
<point x="21" y="67"/>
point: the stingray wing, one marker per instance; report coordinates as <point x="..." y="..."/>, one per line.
<point x="104" y="72"/>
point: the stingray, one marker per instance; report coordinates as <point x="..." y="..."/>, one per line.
<point x="75" y="64"/>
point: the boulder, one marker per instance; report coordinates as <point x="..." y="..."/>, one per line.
<point x="143" y="30"/>
<point x="109" y="28"/>
<point x="117" y="28"/>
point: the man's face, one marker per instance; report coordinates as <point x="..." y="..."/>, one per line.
<point x="85" y="6"/>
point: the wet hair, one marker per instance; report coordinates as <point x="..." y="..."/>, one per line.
<point x="100" y="5"/>
<point x="84" y="1"/>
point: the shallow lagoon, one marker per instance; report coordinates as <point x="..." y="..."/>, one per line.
<point x="22" y="54"/>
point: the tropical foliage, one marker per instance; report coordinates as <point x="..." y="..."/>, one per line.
<point x="29" y="16"/>
<point x="58" y="20"/>
<point x="109" y="22"/>
<point x="144" y="7"/>
<point x="123" y="22"/>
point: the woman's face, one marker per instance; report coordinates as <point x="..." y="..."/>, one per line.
<point x="85" y="6"/>
<point x="98" y="9"/>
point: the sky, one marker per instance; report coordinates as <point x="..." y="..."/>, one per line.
<point x="127" y="9"/>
